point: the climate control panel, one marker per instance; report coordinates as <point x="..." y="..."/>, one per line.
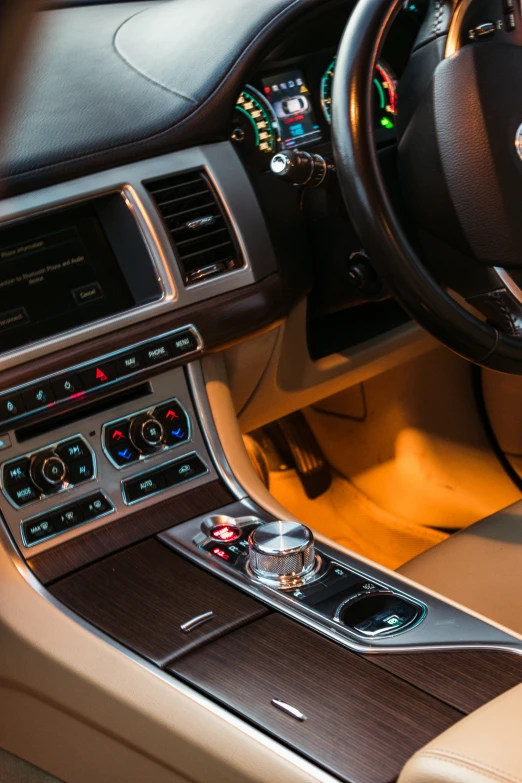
<point x="40" y="474"/>
<point x="146" y="432"/>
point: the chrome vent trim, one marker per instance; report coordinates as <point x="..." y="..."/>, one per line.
<point x="201" y="235"/>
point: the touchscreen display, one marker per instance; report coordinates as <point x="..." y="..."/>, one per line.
<point x="291" y="101"/>
<point x="57" y="273"/>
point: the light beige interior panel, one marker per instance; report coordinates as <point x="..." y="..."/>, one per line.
<point x="484" y="746"/>
<point x="479" y="567"/>
<point x="291" y="380"/>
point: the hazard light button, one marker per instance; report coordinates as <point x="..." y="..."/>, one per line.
<point x="99" y="374"/>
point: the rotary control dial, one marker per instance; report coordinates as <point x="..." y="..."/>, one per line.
<point x="282" y="554"/>
<point x="147" y="433"/>
<point x="48" y="471"/>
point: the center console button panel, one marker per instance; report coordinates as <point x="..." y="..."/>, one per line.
<point x="169" y="475"/>
<point x="104" y="371"/>
<point x="146" y="432"/>
<point x="304" y="577"/>
<point x="40" y="528"/>
<point x="40" y="474"/>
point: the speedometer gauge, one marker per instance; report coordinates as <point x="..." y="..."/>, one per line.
<point x="384" y="95"/>
<point x="255" y="128"/>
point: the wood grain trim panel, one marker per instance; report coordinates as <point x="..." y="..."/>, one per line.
<point x="464" y="679"/>
<point x="221" y="321"/>
<point x="61" y="560"/>
<point x="143" y="595"/>
<point x="363" y="723"/>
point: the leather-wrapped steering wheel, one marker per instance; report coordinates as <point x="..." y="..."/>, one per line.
<point x="450" y="249"/>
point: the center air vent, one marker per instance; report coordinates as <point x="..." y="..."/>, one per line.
<point x="201" y="234"/>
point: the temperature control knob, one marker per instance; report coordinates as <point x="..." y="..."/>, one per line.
<point x="48" y="471"/>
<point x="147" y="433"/>
<point x="282" y="554"/>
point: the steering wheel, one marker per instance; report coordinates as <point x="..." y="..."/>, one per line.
<point x="450" y="248"/>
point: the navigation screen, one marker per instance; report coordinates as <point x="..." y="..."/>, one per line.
<point x="291" y="101"/>
<point x="57" y="273"/>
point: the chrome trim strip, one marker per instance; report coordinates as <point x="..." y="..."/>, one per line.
<point x="158" y="468"/>
<point x="510" y="284"/>
<point x="196" y="383"/>
<point x="161" y="450"/>
<point x="285" y="707"/>
<point x="201" y="619"/>
<point x="145" y="371"/>
<point x="66" y="488"/>
<point x="64" y="505"/>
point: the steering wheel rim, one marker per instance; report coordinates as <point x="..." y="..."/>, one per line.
<point x="372" y="213"/>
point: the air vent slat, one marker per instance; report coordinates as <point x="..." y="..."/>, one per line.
<point x="193" y="215"/>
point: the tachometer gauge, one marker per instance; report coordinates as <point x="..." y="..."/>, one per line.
<point x="255" y="128"/>
<point x="384" y="95"/>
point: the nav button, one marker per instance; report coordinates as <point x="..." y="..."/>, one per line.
<point x="132" y="362"/>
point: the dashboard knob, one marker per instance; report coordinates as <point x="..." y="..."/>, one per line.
<point x="48" y="471"/>
<point x="147" y="433"/>
<point x="282" y="554"/>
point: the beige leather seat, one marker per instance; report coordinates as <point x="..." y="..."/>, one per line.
<point x="480" y="567"/>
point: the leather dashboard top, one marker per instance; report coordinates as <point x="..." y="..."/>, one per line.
<point x="110" y="83"/>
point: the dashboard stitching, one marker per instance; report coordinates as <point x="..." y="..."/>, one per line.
<point x="137" y="70"/>
<point x="50" y="166"/>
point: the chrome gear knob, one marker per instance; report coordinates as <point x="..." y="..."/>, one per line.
<point x="282" y="554"/>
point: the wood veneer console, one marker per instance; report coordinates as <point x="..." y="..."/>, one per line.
<point x="366" y="714"/>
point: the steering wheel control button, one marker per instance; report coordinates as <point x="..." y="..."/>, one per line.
<point x="379" y="614"/>
<point x="282" y="554"/>
<point x="11" y="406"/>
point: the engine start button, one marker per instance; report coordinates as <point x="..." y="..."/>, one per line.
<point x="225" y="533"/>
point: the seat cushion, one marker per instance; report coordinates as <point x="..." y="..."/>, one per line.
<point x="480" y="567"/>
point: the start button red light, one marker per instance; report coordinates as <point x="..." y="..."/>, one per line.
<point x="225" y="533"/>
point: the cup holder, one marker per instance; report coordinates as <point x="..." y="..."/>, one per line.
<point x="379" y="614"/>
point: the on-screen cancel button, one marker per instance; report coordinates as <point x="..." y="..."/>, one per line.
<point x="87" y="293"/>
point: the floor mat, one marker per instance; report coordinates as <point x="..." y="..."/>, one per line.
<point x="348" y="517"/>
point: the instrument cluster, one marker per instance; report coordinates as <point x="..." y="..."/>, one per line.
<point x="288" y="103"/>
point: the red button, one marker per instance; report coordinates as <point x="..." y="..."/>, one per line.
<point x="220" y="553"/>
<point x="225" y="533"/>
